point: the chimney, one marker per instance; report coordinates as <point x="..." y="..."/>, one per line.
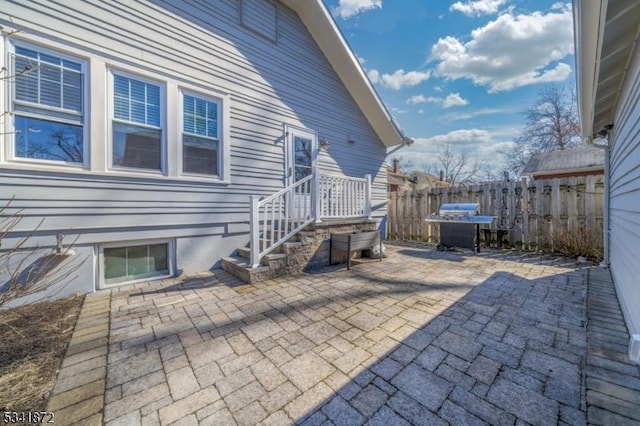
<point x="396" y="165"/>
<point x="441" y="176"/>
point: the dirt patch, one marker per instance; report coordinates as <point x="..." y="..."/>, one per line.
<point x="33" y="341"/>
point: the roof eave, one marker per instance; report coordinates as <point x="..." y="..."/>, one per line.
<point x="565" y="171"/>
<point x="589" y="22"/>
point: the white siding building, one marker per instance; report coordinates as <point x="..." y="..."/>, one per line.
<point x="141" y="129"/>
<point x="608" y="68"/>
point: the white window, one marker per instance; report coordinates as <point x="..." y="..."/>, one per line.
<point x="200" y="135"/>
<point x="127" y="263"/>
<point x="47" y="104"/>
<point x="137" y="124"/>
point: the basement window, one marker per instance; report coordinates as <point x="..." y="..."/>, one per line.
<point x="124" y="264"/>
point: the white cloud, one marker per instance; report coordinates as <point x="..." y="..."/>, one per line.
<point x="457" y="137"/>
<point x="490" y="146"/>
<point x="510" y="52"/>
<point x="453" y="99"/>
<point x="478" y="7"/>
<point x="398" y="110"/>
<point x="399" y="78"/>
<point x="417" y="99"/>
<point x="361" y="60"/>
<point x="467" y="115"/>
<point x="349" y="8"/>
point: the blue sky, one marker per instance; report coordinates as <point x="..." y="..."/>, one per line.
<point x="459" y="72"/>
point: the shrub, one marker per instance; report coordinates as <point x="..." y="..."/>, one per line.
<point x="579" y="242"/>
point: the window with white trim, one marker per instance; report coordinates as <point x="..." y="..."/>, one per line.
<point x="137" y="118"/>
<point x="136" y="262"/>
<point x="200" y="135"/>
<point x="48" y="106"/>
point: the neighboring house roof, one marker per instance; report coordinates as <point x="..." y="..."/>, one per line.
<point x="325" y="32"/>
<point x="397" y="178"/>
<point x="581" y="160"/>
<point x="605" y="34"/>
<point x="426" y="180"/>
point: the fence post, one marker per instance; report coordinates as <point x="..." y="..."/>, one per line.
<point x="255" y="232"/>
<point x="315" y="195"/>
<point x="367" y="196"/>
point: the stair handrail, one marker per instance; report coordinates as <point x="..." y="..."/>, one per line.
<point x="260" y="222"/>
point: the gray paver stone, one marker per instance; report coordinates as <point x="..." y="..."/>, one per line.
<point x="457" y="415"/>
<point x="425" y="387"/>
<point x="386" y="417"/>
<point x="261" y="330"/>
<point x="572" y="416"/>
<point x="387" y="368"/>
<point x="182" y="382"/>
<point x="209" y="351"/>
<point x="463" y="347"/>
<point x="369" y="400"/>
<point x="415" y="413"/>
<point x="242" y="397"/>
<point x="307" y="370"/>
<point x="188" y="405"/>
<point x="316" y="419"/>
<point x="341" y="413"/>
<point x="250" y="415"/>
<point x="131" y="419"/>
<point x="523" y="403"/>
<point x="481" y="408"/>
<point x="484" y="369"/>
<point x="431" y="357"/>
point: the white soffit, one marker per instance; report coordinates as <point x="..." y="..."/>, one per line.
<point x="606" y="36"/>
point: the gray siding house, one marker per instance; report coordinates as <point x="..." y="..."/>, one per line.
<point x="608" y="68"/>
<point x="142" y="130"/>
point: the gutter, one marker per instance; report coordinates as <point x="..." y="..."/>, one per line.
<point x="406" y="141"/>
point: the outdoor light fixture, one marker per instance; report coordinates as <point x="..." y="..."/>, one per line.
<point x="324" y="144"/>
<point x="605" y="131"/>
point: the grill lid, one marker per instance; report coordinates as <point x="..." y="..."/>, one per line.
<point x="461" y="209"/>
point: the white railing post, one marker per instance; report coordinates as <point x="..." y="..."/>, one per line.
<point x="367" y="196"/>
<point x="315" y="195"/>
<point x="254" y="244"/>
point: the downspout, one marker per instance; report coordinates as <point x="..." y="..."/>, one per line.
<point x="605" y="225"/>
<point x="605" y="222"/>
<point x="406" y="141"/>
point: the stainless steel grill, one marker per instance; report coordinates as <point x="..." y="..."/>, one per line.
<point x="455" y="211"/>
<point x="456" y="225"/>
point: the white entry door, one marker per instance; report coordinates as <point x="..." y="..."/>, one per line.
<point x="300" y="154"/>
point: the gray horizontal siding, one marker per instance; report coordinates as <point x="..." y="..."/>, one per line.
<point x="624" y="202"/>
<point x="201" y="43"/>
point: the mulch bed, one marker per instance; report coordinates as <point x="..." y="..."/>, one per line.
<point x="33" y="341"/>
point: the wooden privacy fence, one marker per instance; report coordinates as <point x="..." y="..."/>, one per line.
<point x="529" y="215"/>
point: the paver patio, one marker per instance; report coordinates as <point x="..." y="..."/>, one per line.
<point x="423" y="337"/>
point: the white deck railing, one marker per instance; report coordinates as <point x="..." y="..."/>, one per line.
<point x="344" y="197"/>
<point x="278" y="217"/>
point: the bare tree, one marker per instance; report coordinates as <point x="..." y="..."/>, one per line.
<point x="458" y="167"/>
<point x="551" y="124"/>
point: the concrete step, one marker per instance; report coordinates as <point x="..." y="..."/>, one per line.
<point x="291" y="247"/>
<point x="240" y="267"/>
<point x="244" y="252"/>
